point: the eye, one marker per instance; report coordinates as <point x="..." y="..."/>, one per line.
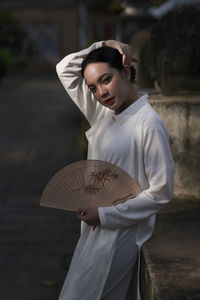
<point x="107" y="79"/>
<point x="93" y="89"/>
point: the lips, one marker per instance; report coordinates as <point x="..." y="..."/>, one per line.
<point x="109" y="101"/>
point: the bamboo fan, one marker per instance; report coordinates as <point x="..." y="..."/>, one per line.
<point x="89" y="183"/>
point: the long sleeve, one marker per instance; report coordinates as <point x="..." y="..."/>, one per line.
<point x="159" y="170"/>
<point x="69" y="73"/>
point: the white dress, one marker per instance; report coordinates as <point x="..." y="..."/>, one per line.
<point x="106" y="261"/>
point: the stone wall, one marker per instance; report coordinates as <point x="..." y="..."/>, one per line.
<point x="181" y="115"/>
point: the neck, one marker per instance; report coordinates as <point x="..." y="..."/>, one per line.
<point x="132" y="96"/>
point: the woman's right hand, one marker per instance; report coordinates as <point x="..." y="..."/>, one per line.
<point x="125" y="50"/>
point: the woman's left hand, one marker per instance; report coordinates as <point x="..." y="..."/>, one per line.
<point x="89" y="216"/>
<point x="124" y="49"/>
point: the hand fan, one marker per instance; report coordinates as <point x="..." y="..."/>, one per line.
<point x="89" y="183"/>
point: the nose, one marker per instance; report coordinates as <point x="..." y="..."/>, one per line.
<point x="103" y="92"/>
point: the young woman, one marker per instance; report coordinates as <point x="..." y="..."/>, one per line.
<point x="126" y="131"/>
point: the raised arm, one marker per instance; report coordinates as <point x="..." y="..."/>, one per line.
<point x="69" y="72"/>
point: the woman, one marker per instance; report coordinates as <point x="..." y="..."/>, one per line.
<point x="125" y="131"/>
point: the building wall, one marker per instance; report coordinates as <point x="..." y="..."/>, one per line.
<point x="181" y="115"/>
<point x="52" y="33"/>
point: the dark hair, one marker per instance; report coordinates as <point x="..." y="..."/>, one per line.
<point x="106" y="55"/>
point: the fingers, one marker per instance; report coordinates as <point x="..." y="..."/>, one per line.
<point x="81" y="213"/>
<point x="125" y="50"/>
<point x="134" y="59"/>
<point x="127" y="55"/>
<point x="128" y="60"/>
<point x="89" y="216"/>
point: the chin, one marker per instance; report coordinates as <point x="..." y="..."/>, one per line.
<point x="112" y="107"/>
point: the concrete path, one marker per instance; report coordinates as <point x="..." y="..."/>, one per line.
<point x="39" y="133"/>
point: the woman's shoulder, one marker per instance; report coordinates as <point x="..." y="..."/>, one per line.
<point x="150" y="119"/>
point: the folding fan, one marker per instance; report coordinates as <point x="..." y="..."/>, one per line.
<point x="89" y="183"/>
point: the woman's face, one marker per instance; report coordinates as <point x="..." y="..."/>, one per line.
<point x="109" y="86"/>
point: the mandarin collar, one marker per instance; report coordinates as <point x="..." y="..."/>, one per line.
<point x="131" y="109"/>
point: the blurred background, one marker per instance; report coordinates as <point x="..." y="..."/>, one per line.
<point x="36" y="34"/>
<point x="41" y="130"/>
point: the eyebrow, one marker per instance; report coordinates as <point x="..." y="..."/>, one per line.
<point x="99" y="79"/>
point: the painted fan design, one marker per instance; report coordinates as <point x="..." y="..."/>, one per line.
<point x="89" y="183"/>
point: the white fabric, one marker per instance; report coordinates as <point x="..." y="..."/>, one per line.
<point x="137" y="141"/>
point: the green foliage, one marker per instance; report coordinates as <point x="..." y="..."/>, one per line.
<point x="83" y="143"/>
<point x="11" y="32"/>
<point x="115" y="7"/>
<point x="11" y="38"/>
<point x="6" y="59"/>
